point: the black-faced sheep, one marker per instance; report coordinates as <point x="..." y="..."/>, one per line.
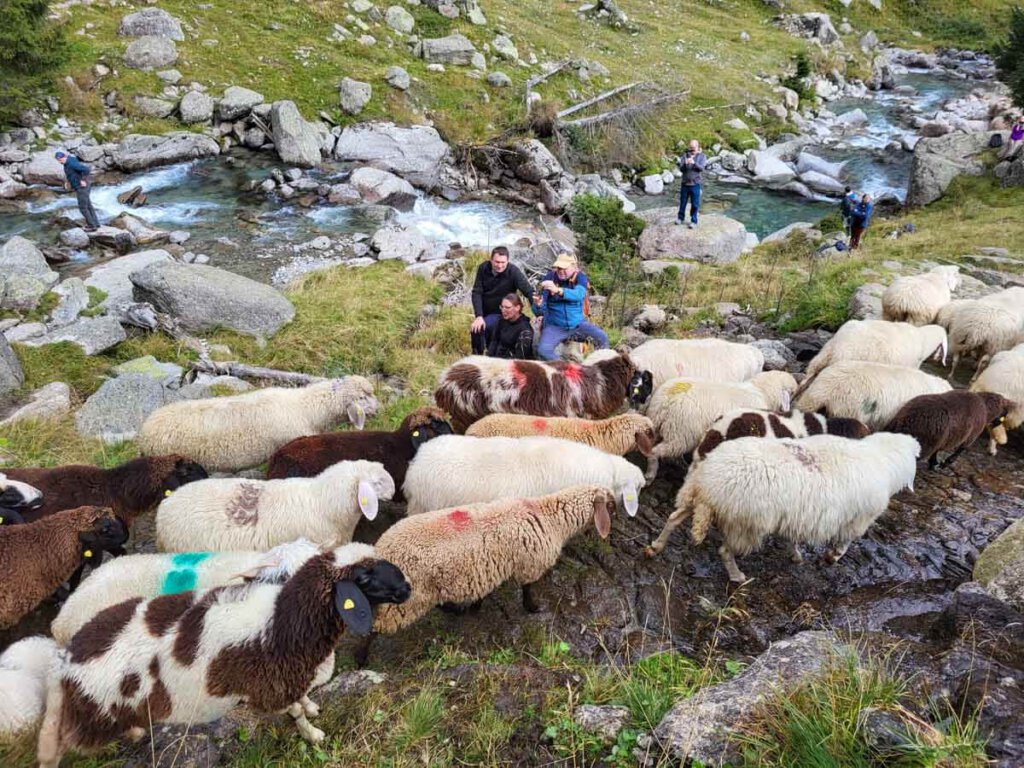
<point x="226" y="434"/>
<point x="951" y="422"/>
<point x="16" y="500"/>
<point x="1005" y="376"/>
<point x="617" y="435"/>
<point x="134" y="487"/>
<point x="751" y="423"/>
<point x="38" y="557"/>
<point x="917" y="299"/>
<point x="309" y="456"/>
<point x="193" y="656"/>
<point x="476" y="386"/>
<point x="819" y="490"/>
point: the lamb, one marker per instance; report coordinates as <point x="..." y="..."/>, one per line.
<point x="458" y="469"/>
<point x="149" y="576"/>
<point x="684" y="409"/>
<point x="463" y="554"/>
<point x="226" y="434"/>
<point x="879" y="341"/>
<point x="868" y="392"/>
<point x="193" y="656"/>
<point x="918" y="298"/>
<point x="38" y="557"/>
<point x="979" y="329"/>
<point x="16" y="500"/>
<point x="476" y="386"/>
<point x="225" y="514"/>
<point x="134" y="487"/>
<point x="819" y="490"/>
<point x="951" y="421"/>
<point x="710" y="359"/>
<point x="309" y="456"/>
<point x="23" y="671"/>
<point x="754" y="423"/>
<point x="617" y="435"/>
<point x="1004" y="376"/>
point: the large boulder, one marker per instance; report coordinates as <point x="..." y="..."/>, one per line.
<point x="151" y="52"/>
<point x="768" y="169"/>
<point x="297" y="142"/>
<point x="399" y="19"/>
<point x="937" y="161"/>
<point x="74" y="297"/>
<point x="195" y="107"/>
<point x="702" y="727"/>
<point x="11" y="375"/>
<point x="453" y="49"/>
<point x="417" y="153"/>
<point x="203" y="298"/>
<point x="48" y="402"/>
<point x="1000" y="567"/>
<point x="43" y="168"/>
<point x="819" y="182"/>
<point x="24" y="274"/>
<point x="138" y="151"/>
<point x="396" y="241"/>
<point x="1011" y="172"/>
<point x="237" y="102"/>
<point x="866" y="302"/>
<point x="718" y="239"/>
<point x="141" y="232"/>
<point x="92" y="334"/>
<point x="805" y="162"/>
<point x="533" y="161"/>
<point x="115" y="412"/>
<point x="354" y="95"/>
<point x="381" y="187"/>
<point x="151" y="21"/>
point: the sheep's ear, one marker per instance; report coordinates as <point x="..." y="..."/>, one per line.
<point x="786" y="401"/>
<point x="602" y="520"/>
<point x="356" y="414"/>
<point x="367" y="497"/>
<point x="630" y="500"/>
<point x="353" y="607"/>
<point x="643" y="442"/>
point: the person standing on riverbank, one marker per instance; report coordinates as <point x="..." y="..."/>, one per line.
<point x="846" y="209"/>
<point x="494" y="280"/>
<point x="560" y="302"/>
<point x="1016" y="140"/>
<point x="860" y="220"/>
<point x="692" y="165"/>
<point x="77" y="174"/>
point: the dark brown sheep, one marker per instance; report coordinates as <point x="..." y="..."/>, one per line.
<point x="951" y="421"/>
<point x="130" y="489"/>
<point x="36" y="558"/>
<point x="309" y="456"/>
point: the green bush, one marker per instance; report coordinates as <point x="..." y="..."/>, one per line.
<point x="1010" y="57"/>
<point x="606" y="237"/>
<point x="31" y="46"/>
<point x="797" y="81"/>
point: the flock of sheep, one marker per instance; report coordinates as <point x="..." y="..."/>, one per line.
<point x="259" y="579"/>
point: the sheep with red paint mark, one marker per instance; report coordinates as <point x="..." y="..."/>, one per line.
<point x="477" y="386"/>
<point x="617" y="435"/>
<point x="193" y="656"/>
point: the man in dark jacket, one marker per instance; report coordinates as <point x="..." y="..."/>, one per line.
<point x="692" y="164"/>
<point x="494" y="280"/>
<point x="860" y="220"/>
<point x="77" y="174"/>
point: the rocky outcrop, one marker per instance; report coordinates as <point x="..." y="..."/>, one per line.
<point x="237" y="102"/>
<point x="380" y="187"/>
<point x="138" y="151"/>
<point x="453" y="49"/>
<point x="417" y="153"/>
<point x="116" y="411"/>
<point x="1000" y="567"/>
<point x="937" y="161"/>
<point x="43" y="168"/>
<point x="769" y="169"/>
<point x="296" y="141"/>
<point x="400" y="242"/>
<point x="92" y="334"/>
<point x="49" y="402"/>
<point x="150" y="52"/>
<point x="866" y="302"/>
<point x="24" y="274"/>
<point x="203" y="298"/>
<point x="151" y="21"/>
<point x="717" y="240"/>
<point x="11" y="375"/>
<point x="73" y="299"/>
<point x="534" y="162"/>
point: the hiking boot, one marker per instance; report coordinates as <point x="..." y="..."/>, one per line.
<point x="678" y="222"/>
<point x="690" y="225"/>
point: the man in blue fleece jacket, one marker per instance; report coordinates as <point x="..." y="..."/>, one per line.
<point x="77" y="174"/>
<point x="560" y="303"/>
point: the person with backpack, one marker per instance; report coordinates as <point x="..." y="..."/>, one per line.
<point x="77" y="174"/>
<point x="846" y="209"/>
<point x="692" y="164"/>
<point x="860" y="220"/>
<point x="562" y="304"/>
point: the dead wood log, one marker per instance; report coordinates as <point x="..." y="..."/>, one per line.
<point x="630" y="110"/>
<point x="242" y="371"/>
<point x="601" y="97"/>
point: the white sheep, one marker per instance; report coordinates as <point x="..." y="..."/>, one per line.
<point x="1011" y="298"/>
<point x="1004" y="376"/>
<point x="869" y="392"/>
<point x="879" y="341"/>
<point x="151" y="575"/>
<point x="818" y="490"/>
<point x="226" y="434"/>
<point x="23" y="672"/>
<point x="980" y="329"/>
<point x="684" y="409"/>
<point x="226" y="514"/>
<point x="455" y="469"/>
<point x="918" y="298"/>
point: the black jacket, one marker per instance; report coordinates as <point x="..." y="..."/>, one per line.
<point x="513" y="341"/>
<point x="489" y="289"/>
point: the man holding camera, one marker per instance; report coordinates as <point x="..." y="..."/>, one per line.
<point x="692" y="165"/>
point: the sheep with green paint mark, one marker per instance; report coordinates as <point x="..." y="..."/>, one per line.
<point x="149" y="576"/>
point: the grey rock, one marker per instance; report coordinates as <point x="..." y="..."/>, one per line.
<point x="819" y="182"/>
<point x="807" y="162"/>
<point x="150" y="52"/>
<point x="1013" y="173"/>
<point x="399" y="19"/>
<point x="556" y="195"/>
<point x="195" y="107"/>
<point x="853" y="118"/>
<point x="137" y="151"/>
<point x="151" y="21"/>
<point x="12" y="155"/>
<point x="151" y="107"/>
<point x="651" y="318"/>
<point x="18" y="333"/>
<point x="92" y="334"/>
<point x="11" y="375"/>
<point x="354" y="95"/>
<point x="417" y="153"/>
<point x="73" y="299"/>
<point x="505" y="48"/>
<point x="203" y="388"/>
<point x="605" y="721"/>
<point x="48" y="402"/>
<point x="345" y="194"/>
<point x="381" y="187"/>
<point x="396" y="241"/>
<point x="149" y="366"/>
<point x="203" y="298"/>
<point x="453" y="49"/>
<point x="348" y="684"/>
<point x="22" y="292"/>
<point x="718" y="239"/>
<point x="398" y="78"/>
<point x="43" y="168"/>
<point x="141" y="232"/>
<point x="701" y="727"/>
<point x="76" y="237"/>
<point x="170" y="76"/>
<point x="111" y="277"/>
<point x="777" y="356"/>
<point x="295" y="140"/>
<point x="11" y="189"/>
<point x="937" y="161"/>
<point x="768" y="169"/>
<point x="868" y="41"/>
<point x="237" y="102"/>
<point x="1000" y="567"/>
<point x="534" y="161"/>
<point x="499" y="80"/>
<point x="866" y="302"/>
<point x="780" y="235"/>
<point x="24" y="274"/>
<point x="116" y="411"/>
<point x="653" y="184"/>
<point x="179" y="237"/>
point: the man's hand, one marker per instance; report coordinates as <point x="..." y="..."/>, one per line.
<point x="67" y="186"/>
<point x="478" y="325"/>
<point x="83" y="183"/>
<point x="549" y="285"/>
<point x="536" y="299"/>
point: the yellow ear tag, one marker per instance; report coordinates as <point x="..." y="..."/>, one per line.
<point x="167" y="493"/>
<point x="416" y="433"/>
<point x="88" y="553"/>
<point x="363" y="500"/>
<point x="636" y="390"/>
<point x="1" y="521"/>
<point x="348" y="605"/>
<point x="1002" y="419"/>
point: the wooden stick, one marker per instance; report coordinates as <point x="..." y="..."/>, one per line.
<point x="626" y="111"/>
<point x="242" y="371"/>
<point x="600" y="97"/>
<point x="541" y="78"/>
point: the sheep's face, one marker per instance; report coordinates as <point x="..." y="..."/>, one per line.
<point x="998" y="407"/>
<point x="17" y="496"/>
<point x="106" y="535"/>
<point x="367" y="584"/>
<point x="640" y="388"/>
<point x="425" y="432"/>
<point x="185" y="471"/>
<point x="9" y="516"/>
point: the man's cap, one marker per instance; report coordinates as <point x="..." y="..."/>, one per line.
<point x="60" y="153"/>
<point x="565" y="261"/>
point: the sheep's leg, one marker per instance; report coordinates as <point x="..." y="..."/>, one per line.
<point x="677" y="518"/>
<point x="135" y="734"/>
<point x="729" y="561"/>
<point x="50" y="748"/>
<point x="307" y="730"/>
<point x="982" y="364"/>
<point x="530" y="604"/>
<point x="652" y="467"/>
<point x="837" y="552"/>
<point x="361" y="653"/>
<point x="933" y="461"/>
<point x="794" y="552"/>
<point x="953" y="365"/>
<point x="76" y="578"/>
<point x="309" y="707"/>
<point x="993" y="446"/>
<point x="953" y="456"/>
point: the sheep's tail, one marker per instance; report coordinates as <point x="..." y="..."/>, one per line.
<point x="703" y="517"/>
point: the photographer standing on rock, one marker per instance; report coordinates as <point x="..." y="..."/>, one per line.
<point x="77" y="174"/>
<point x="692" y="165"/>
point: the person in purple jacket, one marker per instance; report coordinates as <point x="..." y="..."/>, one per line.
<point x="692" y="165"/>
<point x="1016" y="140"/>
<point x="77" y="174"/>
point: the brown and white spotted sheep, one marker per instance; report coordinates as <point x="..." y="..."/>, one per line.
<point x="476" y="386"/>
<point x="193" y="656"/>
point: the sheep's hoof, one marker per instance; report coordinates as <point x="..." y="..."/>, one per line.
<point x="650" y="552"/>
<point x="310" y="708"/>
<point x="796" y="557"/>
<point x="313" y="735"/>
<point x="135" y="734"/>
<point x="738" y="581"/>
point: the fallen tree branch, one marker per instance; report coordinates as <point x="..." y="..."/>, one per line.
<point x="243" y="371"/>
<point x="599" y="98"/>
<point x="627" y="111"/>
<point x="538" y="79"/>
